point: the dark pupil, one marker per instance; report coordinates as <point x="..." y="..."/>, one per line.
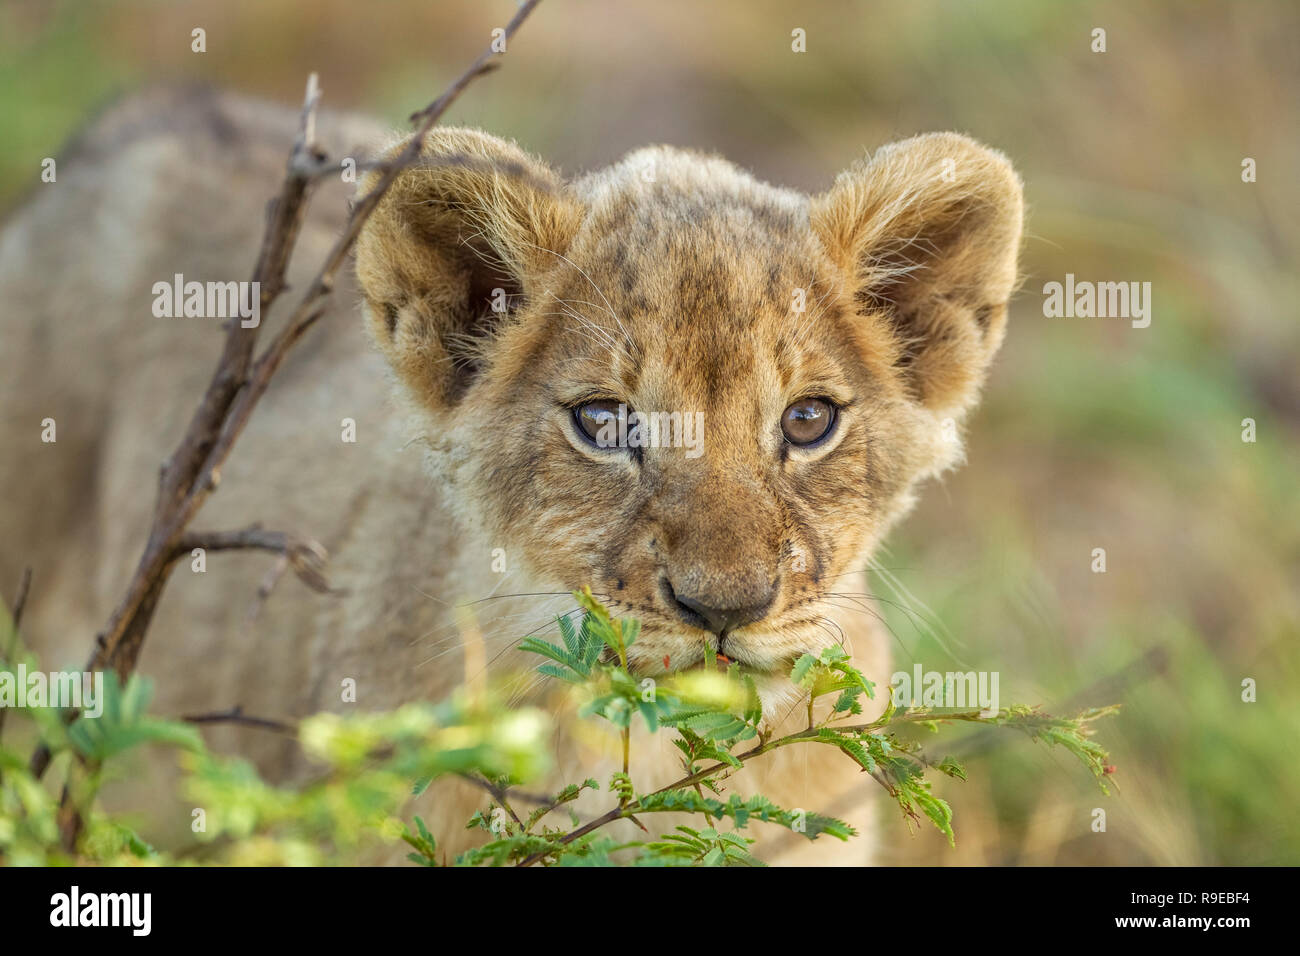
<point x="805" y="422"/>
<point x="593" y="416"/>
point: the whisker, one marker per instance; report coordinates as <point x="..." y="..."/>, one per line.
<point x="498" y="597"/>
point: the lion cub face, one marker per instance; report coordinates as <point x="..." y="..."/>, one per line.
<point x="705" y="397"/>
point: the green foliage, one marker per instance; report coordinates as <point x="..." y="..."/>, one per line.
<point x="374" y="762"/>
<point x="713" y="713"/>
<point x="707" y="847"/>
<point x="426" y="847"/>
<point x="125" y="723"/>
<point x="29" y="829"/>
<point x="576" y="658"/>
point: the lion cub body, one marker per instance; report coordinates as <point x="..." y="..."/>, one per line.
<point x="467" y="507"/>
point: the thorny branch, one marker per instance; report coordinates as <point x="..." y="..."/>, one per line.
<point x="193" y="471"/>
<point x="307" y="558"/>
<point x="722" y="769"/>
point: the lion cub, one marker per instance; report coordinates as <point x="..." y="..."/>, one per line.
<point x="706" y="397"/>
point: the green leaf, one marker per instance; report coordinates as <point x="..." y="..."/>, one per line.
<point x="951" y="767"/>
<point x="803" y="669"/>
<point x="124" y="724"/>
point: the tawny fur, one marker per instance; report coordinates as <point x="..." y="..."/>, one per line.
<point x="667" y="280"/>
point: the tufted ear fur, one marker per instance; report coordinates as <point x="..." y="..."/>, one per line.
<point x="477" y="215"/>
<point x="927" y="231"/>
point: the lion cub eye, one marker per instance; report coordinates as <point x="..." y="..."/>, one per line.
<point x="591" y="417"/>
<point x="808" y="421"/>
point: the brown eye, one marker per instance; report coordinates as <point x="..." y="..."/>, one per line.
<point x="808" y="421"/>
<point x="603" y="413"/>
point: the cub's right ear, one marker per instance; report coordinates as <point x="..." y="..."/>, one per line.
<point x="476" y="223"/>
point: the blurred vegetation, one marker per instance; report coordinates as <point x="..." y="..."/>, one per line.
<point x="1093" y="434"/>
<point x="369" y="765"/>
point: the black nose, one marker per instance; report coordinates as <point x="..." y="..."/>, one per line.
<point x="720" y="616"/>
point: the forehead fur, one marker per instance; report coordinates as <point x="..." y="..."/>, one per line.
<point x="684" y="186"/>
<point x="675" y="224"/>
<point x="688" y="270"/>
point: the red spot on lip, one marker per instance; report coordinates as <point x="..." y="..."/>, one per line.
<point x="665" y="662"/>
<point x="724" y="658"/>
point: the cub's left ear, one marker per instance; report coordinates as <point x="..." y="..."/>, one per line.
<point x="927" y="232"/>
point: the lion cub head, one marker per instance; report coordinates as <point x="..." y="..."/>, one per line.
<point x="703" y="396"/>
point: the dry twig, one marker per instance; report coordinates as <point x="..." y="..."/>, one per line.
<point x="193" y="471"/>
<point x="236" y="715"/>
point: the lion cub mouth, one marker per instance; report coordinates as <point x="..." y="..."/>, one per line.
<point x="709" y="658"/>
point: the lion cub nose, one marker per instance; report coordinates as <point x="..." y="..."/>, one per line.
<point x="721" y="615"/>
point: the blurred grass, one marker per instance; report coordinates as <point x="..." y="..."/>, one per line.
<point x="1093" y="434"/>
